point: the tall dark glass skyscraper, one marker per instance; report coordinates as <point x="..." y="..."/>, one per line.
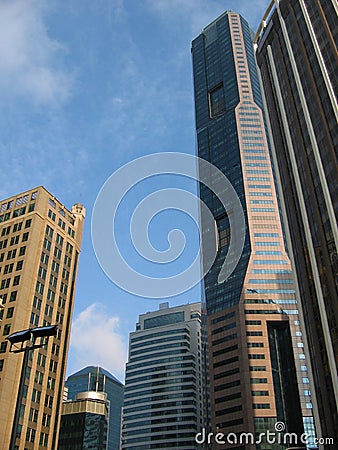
<point x="296" y="51"/>
<point x="258" y="373"/>
<point x="97" y="379"/>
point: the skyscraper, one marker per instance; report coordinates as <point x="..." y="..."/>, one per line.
<point x="84" y="422"/>
<point x="163" y="402"/>
<point x="40" y="244"/>
<point x="97" y="379"/>
<point x="296" y="51"/>
<point x="258" y="373"/>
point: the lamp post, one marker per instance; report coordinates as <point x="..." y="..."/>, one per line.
<point x="25" y="341"/>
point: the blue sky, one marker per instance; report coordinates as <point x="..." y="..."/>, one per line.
<point x="86" y="87"/>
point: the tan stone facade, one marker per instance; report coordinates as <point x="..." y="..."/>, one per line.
<point x="40" y="243"/>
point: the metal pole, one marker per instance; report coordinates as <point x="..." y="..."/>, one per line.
<point x="19" y="398"/>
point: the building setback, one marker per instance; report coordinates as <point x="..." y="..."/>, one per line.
<point x="40" y="244"/>
<point x="258" y="373"/>
<point x="97" y="379"/>
<point x="296" y="51"/>
<point x="163" y="402"/>
<point x="84" y="422"/>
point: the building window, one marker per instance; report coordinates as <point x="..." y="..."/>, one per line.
<point x="10" y="312"/>
<point x="216" y="101"/>
<point x="3" y="347"/>
<point x="7" y="329"/>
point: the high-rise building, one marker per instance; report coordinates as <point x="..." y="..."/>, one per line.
<point x="84" y="422"/>
<point x="258" y="371"/>
<point x="296" y="51"/>
<point x="97" y="379"/>
<point x="40" y="244"/>
<point x="164" y="401"/>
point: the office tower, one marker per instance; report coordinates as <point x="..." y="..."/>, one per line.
<point x="163" y="402"/>
<point x="97" y="379"/>
<point x="84" y="422"/>
<point x="296" y="51"/>
<point x="258" y="372"/>
<point x="40" y="244"/>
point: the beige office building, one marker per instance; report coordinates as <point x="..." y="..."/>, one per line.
<point x="40" y="242"/>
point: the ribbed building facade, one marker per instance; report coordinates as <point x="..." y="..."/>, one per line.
<point x="164" y="402"/>
<point x="40" y="242"/>
<point x="296" y="51"/>
<point x="258" y="372"/>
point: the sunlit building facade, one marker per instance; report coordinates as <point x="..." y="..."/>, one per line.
<point x="40" y="241"/>
<point x="258" y="372"/>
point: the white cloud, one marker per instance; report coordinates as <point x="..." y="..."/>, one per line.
<point x="96" y="340"/>
<point x="29" y="63"/>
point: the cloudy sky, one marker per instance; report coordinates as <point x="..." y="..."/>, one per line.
<point x="87" y="86"/>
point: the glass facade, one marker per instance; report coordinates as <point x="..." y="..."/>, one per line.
<point x="232" y="135"/>
<point x="93" y="378"/>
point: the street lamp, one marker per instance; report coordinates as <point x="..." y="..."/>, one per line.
<point x="26" y="341"/>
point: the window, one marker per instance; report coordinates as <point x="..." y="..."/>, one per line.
<point x="37" y="303"/>
<point x="8" y="268"/>
<point x="49" y="231"/>
<point x="3" y="244"/>
<point x="258" y="380"/>
<point x="22" y="251"/>
<point x="43" y="439"/>
<point x="10" y="312"/>
<point x="36" y="396"/>
<point x="34" y="319"/>
<point x="259" y="356"/>
<point x="38" y="377"/>
<point x="46" y="244"/>
<point x="25" y="237"/>
<point x="28" y="223"/>
<point x="19" y="265"/>
<point x="216" y="101"/>
<point x="11" y="254"/>
<point x="14" y="240"/>
<point x="7" y="329"/>
<point x="3" y="347"/>
<point x="45" y="420"/>
<point x="51" y="383"/>
<point x="51" y="215"/>
<point x="44" y="258"/>
<point x="17" y="227"/>
<point x="5" y="283"/>
<point x="59" y="239"/>
<point x="48" y="401"/>
<point x="33" y="415"/>
<point x="1" y="364"/>
<point x="13" y="296"/>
